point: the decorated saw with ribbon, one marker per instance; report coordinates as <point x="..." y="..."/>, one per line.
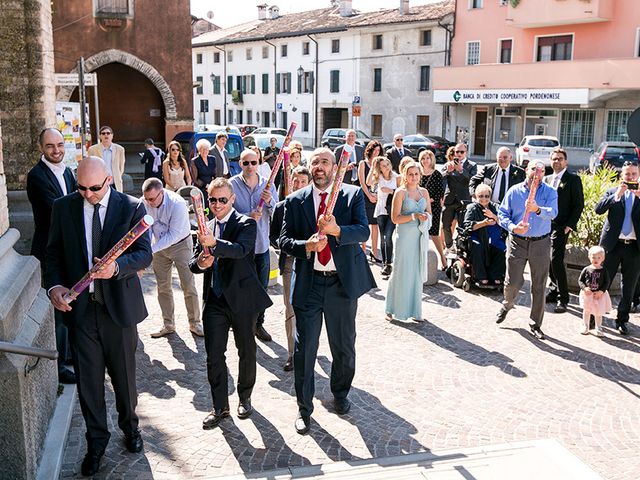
<point x="537" y="178"/>
<point x="198" y="208"/>
<point x="278" y="161"/>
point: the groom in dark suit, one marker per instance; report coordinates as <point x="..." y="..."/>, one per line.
<point x="570" y="206"/>
<point x="500" y="176"/>
<point x="621" y="237"/>
<point x="233" y="298"/>
<point x="330" y="274"/>
<point x="47" y="181"/>
<point x="103" y="320"/>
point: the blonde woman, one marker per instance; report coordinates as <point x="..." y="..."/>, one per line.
<point x="411" y="212"/>
<point x="433" y="181"/>
<point x="382" y="178"/>
<point x="373" y="149"/>
<point x="174" y="169"/>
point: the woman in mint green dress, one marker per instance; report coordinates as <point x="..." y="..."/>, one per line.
<point x="411" y="212"/>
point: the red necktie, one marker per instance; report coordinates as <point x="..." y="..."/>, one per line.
<point x="325" y="254"/>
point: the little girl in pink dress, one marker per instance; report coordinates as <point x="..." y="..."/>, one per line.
<point x="594" y="298"/>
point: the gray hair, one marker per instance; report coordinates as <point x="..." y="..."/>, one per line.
<point x="203" y="142"/>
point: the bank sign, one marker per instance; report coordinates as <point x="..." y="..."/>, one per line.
<point x="571" y="96"/>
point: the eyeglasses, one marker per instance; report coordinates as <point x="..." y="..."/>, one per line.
<point x="483" y="196"/>
<point x="630" y="163"/>
<point x="106" y="133"/>
<point x="222" y="200"/>
<point x="246" y="163"/>
<point x="175" y="149"/>
<point x="461" y="151"/>
<point x="153" y="200"/>
<point x="399" y="139"/>
<point x="94" y="188"/>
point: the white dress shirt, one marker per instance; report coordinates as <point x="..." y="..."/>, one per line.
<point x="107" y="156"/>
<point x="495" y="194"/>
<point x="225" y="167"/>
<point x="330" y="266"/>
<point x="58" y="170"/>
<point x="171" y="221"/>
<point x="555" y="178"/>
<point x="214" y="225"/>
<point x="88" y="225"/>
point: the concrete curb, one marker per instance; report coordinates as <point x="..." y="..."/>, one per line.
<point x="54" y="444"/>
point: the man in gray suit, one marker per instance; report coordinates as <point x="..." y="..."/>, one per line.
<point x="457" y="174"/>
<point x="221" y="155"/>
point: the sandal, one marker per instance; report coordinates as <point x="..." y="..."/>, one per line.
<point x="388" y="317"/>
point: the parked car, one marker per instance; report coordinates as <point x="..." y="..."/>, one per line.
<point x="270" y="131"/>
<point x="418" y="143"/>
<point x="262" y="140"/>
<point x="535" y="148"/>
<point x="209" y="127"/>
<point x="234" y="146"/>
<point x="246" y="128"/>
<point x="334" y="137"/>
<point x="613" y="154"/>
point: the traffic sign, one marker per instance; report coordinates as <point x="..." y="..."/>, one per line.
<point x="72" y="80"/>
<point x="356" y="100"/>
<point x="278" y="106"/>
<point x="355" y="110"/>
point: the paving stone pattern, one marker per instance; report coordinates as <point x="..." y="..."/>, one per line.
<point x="456" y="380"/>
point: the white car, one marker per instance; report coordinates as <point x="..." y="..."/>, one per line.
<point x="536" y="147"/>
<point x="270" y="131"/>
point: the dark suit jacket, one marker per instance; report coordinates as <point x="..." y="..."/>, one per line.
<point x="43" y="189"/>
<point x="66" y="257"/>
<point x="275" y="229"/>
<point x="147" y="159"/>
<point x="489" y="175"/>
<point x="359" y="151"/>
<point x="241" y="287"/>
<point x="351" y="264"/>
<point x="394" y="156"/>
<point x="458" y="183"/>
<point x="570" y="201"/>
<point x="220" y="161"/>
<point x="615" y="217"/>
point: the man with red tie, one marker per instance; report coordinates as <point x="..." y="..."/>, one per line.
<point x="331" y="273"/>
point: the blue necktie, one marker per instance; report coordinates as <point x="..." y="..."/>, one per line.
<point x="216" y="284"/>
<point x="627" y="225"/>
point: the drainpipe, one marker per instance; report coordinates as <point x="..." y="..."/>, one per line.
<point x="449" y="34"/>
<point x="224" y="69"/>
<point x="315" y="93"/>
<point x="275" y="73"/>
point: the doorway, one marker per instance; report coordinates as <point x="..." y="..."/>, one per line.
<point x="334" y="118"/>
<point x="480" y="133"/>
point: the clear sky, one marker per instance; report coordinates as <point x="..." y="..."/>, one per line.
<point x="226" y="14"/>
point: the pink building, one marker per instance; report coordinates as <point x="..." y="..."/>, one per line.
<point x="568" y="68"/>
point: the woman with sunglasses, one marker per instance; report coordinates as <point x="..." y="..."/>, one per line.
<point x="174" y="168"/>
<point x="295" y="160"/>
<point x="486" y="239"/>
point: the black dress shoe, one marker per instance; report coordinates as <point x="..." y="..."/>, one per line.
<point x="289" y="365"/>
<point x="622" y="328"/>
<point x="634" y="308"/>
<point x="302" y="424"/>
<point x="536" y="332"/>
<point x="215" y="416"/>
<point x="502" y="314"/>
<point x="245" y="409"/>
<point x="66" y="376"/>
<point x="342" y="406"/>
<point x="560" y="307"/>
<point x="91" y="463"/>
<point x="262" y="334"/>
<point x="551" y="297"/>
<point x="134" y="442"/>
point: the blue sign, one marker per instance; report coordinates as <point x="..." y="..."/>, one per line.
<point x="278" y="106"/>
<point x="356" y="100"/>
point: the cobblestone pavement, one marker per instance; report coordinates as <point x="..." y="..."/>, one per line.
<point x="456" y="380"/>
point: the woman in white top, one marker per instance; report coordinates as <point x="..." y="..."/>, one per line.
<point x="386" y="180"/>
<point x="174" y="169"/>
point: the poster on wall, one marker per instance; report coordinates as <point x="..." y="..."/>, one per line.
<point x="68" y="122"/>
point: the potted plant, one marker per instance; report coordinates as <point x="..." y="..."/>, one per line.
<point x="587" y="233"/>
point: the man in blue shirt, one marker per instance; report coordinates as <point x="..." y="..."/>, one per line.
<point x="529" y="241"/>
<point x="249" y="188"/>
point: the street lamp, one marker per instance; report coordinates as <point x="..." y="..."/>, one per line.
<point x="300" y="71"/>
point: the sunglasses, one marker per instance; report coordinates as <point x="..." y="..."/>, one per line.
<point x="222" y="200"/>
<point x="94" y="188"/>
<point x="483" y="196"/>
<point x="175" y="149"/>
<point x="399" y="139"/>
<point x="106" y="133"/>
<point x="246" y="163"/>
<point x="461" y="151"/>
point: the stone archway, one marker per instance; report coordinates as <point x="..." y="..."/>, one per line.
<point x="118" y="56"/>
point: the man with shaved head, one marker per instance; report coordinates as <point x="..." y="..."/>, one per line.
<point x="500" y="176"/>
<point x="103" y="320"/>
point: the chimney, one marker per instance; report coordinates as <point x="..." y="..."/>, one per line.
<point x="346" y="9"/>
<point x="404" y="7"/>
<point x="262" y="11"/>
<point x="274" y="12"/>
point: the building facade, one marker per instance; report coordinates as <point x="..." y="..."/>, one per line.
<point x="566" y="68"/>
<point x="141" y="58"/>
<point x="326" y="68"/>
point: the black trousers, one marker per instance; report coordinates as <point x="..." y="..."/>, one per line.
<point x="557" y="271"/>
<point x="629" y="257"/>
<point x="488" y="263"/>
<point x="98" y="343"/>
<point x="386" y="227"/>
<point x="449" y="214"/>
<point x="327" y="299"/>
<point x="217" y="318"/>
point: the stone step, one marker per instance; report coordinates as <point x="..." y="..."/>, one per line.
<point x="531" y="460"/>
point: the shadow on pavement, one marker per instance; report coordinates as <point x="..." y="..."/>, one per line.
<point x="464" y="350"/>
